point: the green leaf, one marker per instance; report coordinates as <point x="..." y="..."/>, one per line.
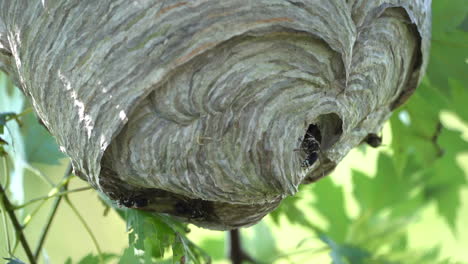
<point x="89" y="259"/>
<point x="129" y="256"/>
<point x="449" y="45"/>
<point x="31" y="141"/>
<point x="12" y="101"/>
<point x="14" y="261"/>
<point x="148" y="248"/>
<point x="94" y="259"/>
<point x="386" y="185"/>
<point x="178" y="251"/>
<point x="261" y="245"/>
<point x="290" y="210"/>
<point x="192" y="252"/>
<point x="214" y="248"/>
<point x="330" y="204"/>
<point x="447" y="178"/>
<point x="452" y="143"/>
<point x="344" y="254"/>
<point x="432" y="100"/>
<point x="411" y="206"/>
<point x="4" y="117"/>
<point x="40" y="146"/>
<point x="416" y="137"/>
<point x="2" y="150"/>
<point x="376" y="232"/>
<point x="448" y="203"/>
<point x="448" y="59"/>
<point x="400" y="244"/>
<point x="447" y="15"/>
<point x="459" y="98"/>
<point x="411" y="257"/>
<point x="423" y="142"/>
<point x="149" y="229"/>
<point x="155" y="234"/>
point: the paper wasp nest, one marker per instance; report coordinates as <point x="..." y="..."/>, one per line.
<point x="212" y="111"/>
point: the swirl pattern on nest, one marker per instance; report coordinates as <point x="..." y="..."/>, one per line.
<point x="225" y="126"/>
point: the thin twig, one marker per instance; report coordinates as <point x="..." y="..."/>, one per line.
<point x="86" y="226"/>
<point x="52" y="213"/>
<point x="435" y="137"/>
<point x="6" y="171"/>
<point x="16" y="225"/>
<point x="58" y="194"/>
<point x="16" y="116"/>
<point x="7" y="233"/>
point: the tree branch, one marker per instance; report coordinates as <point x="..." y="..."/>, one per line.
<point x="236" y="253"/>
<point x="55" y="206"/>
<point x="16" y="225"/>
<point x="45" y="198"/>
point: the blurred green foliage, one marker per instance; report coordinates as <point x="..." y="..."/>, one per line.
<point x="419" y="168"/>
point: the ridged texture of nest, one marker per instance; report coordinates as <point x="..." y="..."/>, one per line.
<point x="212" y="111"/>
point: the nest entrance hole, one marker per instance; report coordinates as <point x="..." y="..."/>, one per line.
<point x="320" y="137"/>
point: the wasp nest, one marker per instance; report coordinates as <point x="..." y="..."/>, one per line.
<point x="212" y="111"/>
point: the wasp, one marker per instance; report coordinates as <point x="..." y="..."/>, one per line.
<point x="373" y="140"/>
<point x="310" y="145"/>
<point x="191" y="209"/>
<point x="133" y="202"/>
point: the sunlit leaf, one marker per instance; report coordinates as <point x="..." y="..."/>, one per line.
<point x="459" y="99"/>
<point x="329" y="202"/>
<point x="262" y="244"/>
<point x="155" y="234"/>
<point x="290" y="210"/>
<point x="446" y="179"/>
<point x="383" y="190"/>
<point x="400" y="244"/>
<point x="375" y="232"/>
<point x="344" y="254"/>
<point x="416" y="138"/>
<point x="214" y="247"/>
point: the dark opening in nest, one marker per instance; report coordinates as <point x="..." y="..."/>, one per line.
<point x="310" y="145"/>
